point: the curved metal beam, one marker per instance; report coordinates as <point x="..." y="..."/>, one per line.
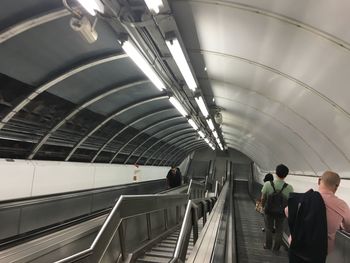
<point x="56" y="80"/>
<point x="143" y="131"/>
<point x="309" y="122"/>
<point x="178" y="142"/>
<point x="30" y="23"/>
<point x="188" y="138"/>
<point x="152" y="137"/>
<point x="189" y="150"/>
<point x="175" y="147"/>
<point x="80" y="107"/>
<point x="284" y="19"/>
<point x="179" y="148"/>
<point x="161" y="140"/>
<point x="110" y="117"/>
<point x="186" y="146"/>
<point x="332" y="103"/>
<point x="148" y="115"/>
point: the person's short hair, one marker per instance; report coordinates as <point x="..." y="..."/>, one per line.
<point x="331" y="179"/>
<point x="268" y="177"/>
<point x="173" y="166"/>
<point x="282" y="171"/>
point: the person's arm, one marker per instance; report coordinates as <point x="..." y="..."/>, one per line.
<point x="263" y="195"/>
<point x="346" y="219"/>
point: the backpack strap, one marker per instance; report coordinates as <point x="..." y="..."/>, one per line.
<point x="283" y="187"/>
<point x="273" y="186"/>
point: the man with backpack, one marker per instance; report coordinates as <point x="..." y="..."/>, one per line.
<point x="274" y="198"/>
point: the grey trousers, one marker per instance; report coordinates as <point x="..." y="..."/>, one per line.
<point x="270" y="224"/>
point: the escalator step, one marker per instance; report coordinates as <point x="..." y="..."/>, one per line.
<point x="160" y="254"/>
<point x="153" y="259"/>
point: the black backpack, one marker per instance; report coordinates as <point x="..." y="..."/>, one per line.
<point x="276" y="202"/>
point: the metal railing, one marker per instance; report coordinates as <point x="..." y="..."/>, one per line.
<point x="195" y="210"/>
<point x="196" y="189"/>
<point x="112" y="232"/>
<point x="207" y="241"/>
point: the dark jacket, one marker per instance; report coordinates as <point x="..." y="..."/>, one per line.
<point x="307" y="221"/>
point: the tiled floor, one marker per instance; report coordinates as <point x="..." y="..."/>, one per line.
<point x="249" y="236"/>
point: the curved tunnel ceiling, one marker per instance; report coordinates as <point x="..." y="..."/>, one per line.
<point x="278" y="72"/>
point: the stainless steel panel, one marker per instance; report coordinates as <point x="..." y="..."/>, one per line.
<point x="36" y="216"/>
<point x="9" y="222"/>
<point x="157" y="222"/>
<point x="135" y="232"/>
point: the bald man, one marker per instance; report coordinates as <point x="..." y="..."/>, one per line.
<point x="338" y="212"/>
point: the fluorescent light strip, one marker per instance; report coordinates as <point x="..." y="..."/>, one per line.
<point x="179" y="57"/>
<point x="202" y="106"/>
<point x="92" y="6"/>
<point x="154" y="5"/>
<point x="201" y="134"/>
<point x="142" y="63"/>
<point x="211" y="124"/>
<point x="218" y="141"/>
<point x="193" y="124"/>
<point x="215" y="134"/>
<point x="206" y="140"/>
<point x="221" y="147"/>
<point x="178" y="106"/>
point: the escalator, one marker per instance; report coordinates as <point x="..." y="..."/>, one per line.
<point x="143" y="219"/>
<point x="163" y="251"/>
<point x="249" y="235"/>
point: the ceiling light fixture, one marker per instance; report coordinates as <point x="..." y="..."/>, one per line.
<point x="215" y="134"/>
<point x="201" y="134"/>
<point x="154" y="5"/>
<point x="178" y="106"/>
<point x="211" y="124"/>
<point x="179" y="57"/>
<point x="142" y="63"/>
<point x="202" y="106"/>
<point x="206" y="140"/>
<point x="193" y="124"/>
<point x="92" y="6"/>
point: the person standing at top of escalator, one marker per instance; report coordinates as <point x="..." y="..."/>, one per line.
<point x="178" y="176"/>
<point x="172" y="177"/>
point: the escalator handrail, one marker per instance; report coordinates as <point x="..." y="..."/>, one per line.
<point x="6" y="204"/>
<point x="126" y="207"/>
<point x="194" y="184"/>
<point x="190" y="218"/>
<point x="216" y="212"/>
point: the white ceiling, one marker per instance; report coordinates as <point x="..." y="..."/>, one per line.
<point x="280" y="71"/>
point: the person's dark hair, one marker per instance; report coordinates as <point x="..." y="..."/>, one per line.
<point x="173" y="166"/>
<point x="268" y="177"/>
<point x="282" y="171"/>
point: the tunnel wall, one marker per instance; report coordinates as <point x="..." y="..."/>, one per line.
<point x="21" y="178"/>
<point x="240" y="162"/>
<point x="302" y="183"/>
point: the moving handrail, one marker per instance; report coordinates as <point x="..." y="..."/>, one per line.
<point x="196" y="189"/>
<point x="202" y="252"/>
<point x="21" y="214"/>
<point x="190" y="223"/>
<point x="126" y="207"/>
